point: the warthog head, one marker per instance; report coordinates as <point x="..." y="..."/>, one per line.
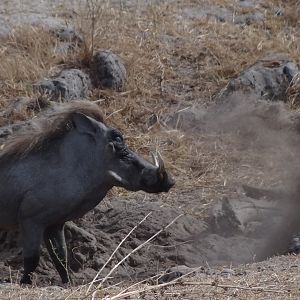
<point x="122" y="166"/>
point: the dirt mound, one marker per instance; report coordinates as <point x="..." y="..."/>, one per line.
<point x="91" y="241"/>
<point x="95" y="237"/>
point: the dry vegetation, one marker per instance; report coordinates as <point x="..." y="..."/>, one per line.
<point x="172" y="63"/>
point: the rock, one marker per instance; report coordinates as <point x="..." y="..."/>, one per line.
<point x="294" y="246"/>
<point x="224" y="218"/>
<point x="184" y="119"/>
<point x="66" y="34"/>
<point x="259" y="193"/>
<point x="248" y="18"/>
<point x="268" y="78"/>
<point x="227" y="272"/>
<point x="223" y="14"/>
<point x="68" y="39"/>
<point x="70" y="84"/>
<point x="174" y="273"/>
<point x="108" y="71"/>
<point x="244" y="215"/>
<point x="5" y="131"/>
<point x="20" y="105"/>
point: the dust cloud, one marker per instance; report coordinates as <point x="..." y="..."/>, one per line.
<point x="266" y="135"/>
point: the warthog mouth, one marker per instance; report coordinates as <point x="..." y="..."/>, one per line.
<point x="153" y="178"/>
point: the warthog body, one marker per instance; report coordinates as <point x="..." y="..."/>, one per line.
<point x="60" y="170"/>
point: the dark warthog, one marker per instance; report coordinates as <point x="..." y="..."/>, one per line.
<point x="61" y="169"/>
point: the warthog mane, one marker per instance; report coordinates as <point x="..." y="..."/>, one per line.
<point x="52" y="125"/>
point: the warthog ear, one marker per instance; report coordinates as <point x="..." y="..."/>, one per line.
<point x="85" y="124"/>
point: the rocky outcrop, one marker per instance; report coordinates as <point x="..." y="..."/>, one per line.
<point x="269" y="78"/>
<point x="70" y="84"/>
<point x="108" y="71"/>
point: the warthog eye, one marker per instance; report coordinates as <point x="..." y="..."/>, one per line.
<point x="116" y="136"/>
<point x="118" y="139"/>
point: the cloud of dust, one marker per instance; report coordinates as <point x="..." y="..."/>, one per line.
<point x="270" y="132"/>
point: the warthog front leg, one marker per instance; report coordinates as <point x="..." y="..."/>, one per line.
<point x="32" y="236"/>
<point x="55" y="242"/>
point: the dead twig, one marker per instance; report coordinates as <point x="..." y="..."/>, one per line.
<point x="109" y="259"/>
<point x="133" y="251"/>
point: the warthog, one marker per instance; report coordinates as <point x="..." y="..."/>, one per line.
<point x="59" y="170"/>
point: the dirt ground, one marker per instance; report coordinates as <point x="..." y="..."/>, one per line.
<point x="180" y="56"/>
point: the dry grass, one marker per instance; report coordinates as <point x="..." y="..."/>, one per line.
<point x="277" y="279"/>
<point x="172" y="63"/>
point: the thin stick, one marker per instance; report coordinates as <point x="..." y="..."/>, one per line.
<point x="136" y="249"/>
<point x="139" y="247"/>
<point x="109" y="259"/>
<point x="114" y="112"/>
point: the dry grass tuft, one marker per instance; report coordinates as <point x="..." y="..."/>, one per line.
<point x="26" y="55"/>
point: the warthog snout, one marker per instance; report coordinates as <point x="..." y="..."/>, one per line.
<point x="156" y="179"/>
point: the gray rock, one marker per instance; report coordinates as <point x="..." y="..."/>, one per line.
<point x="68" y="39"/>
<point x="294" y="246"/>
<point x="184" y="119"/>
<point x="244" y="215"/>
<point x="222" y="14"/>
<point x="70" y="84"/>
<point x="20" y="105"/>
<point x="248" y="18"/>
<point x="268" y="78"/>
<point x="108" y="71"/>
<point x="227" y="272"/>
<point x="5" y="131"/>
<point x="66" y="34"/>
<point x="174" y="273"/>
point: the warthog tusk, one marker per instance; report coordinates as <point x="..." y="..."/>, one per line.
<point x="160" y="162"/>
<point x="116" y="176"/>
<point x="155" y="160"/>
